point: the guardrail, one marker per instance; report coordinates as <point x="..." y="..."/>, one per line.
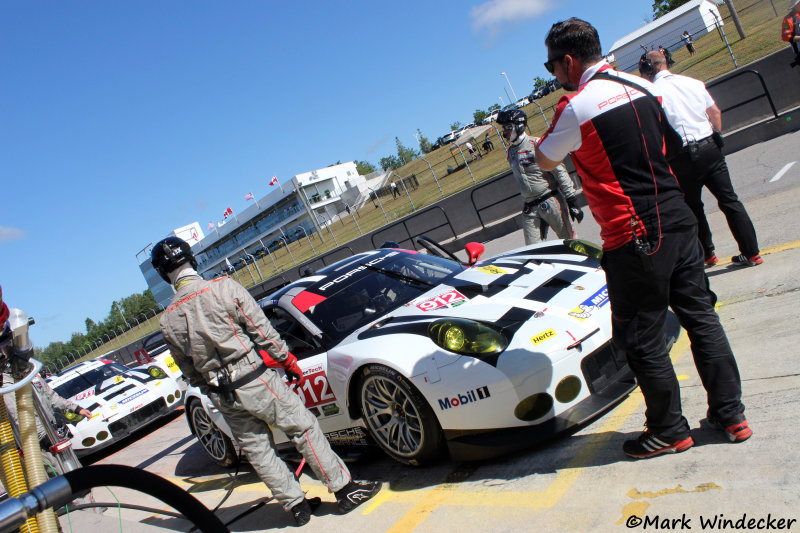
<point x="766" y="94"/>
<point x="410" y="236"/>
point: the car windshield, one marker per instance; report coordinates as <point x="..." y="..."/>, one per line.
<point x="88" y="379"/>
<point x="377" y="288"/>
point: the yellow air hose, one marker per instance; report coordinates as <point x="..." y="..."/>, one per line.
<point x="12" y="466"/>
<point x="31" y="450"/>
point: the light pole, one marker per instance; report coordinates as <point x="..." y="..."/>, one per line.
<point x="255" y="265"/>
<point x="509" y="84"/>
<point x="119" y="309"/>
<point x="308" y="238"/>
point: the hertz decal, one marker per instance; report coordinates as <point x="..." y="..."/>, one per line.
<point x="543" y="336"/>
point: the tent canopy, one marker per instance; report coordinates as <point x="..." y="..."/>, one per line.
<point x="471" y="134"/>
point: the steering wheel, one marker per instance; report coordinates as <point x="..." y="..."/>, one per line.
<point x="436" y="249"/>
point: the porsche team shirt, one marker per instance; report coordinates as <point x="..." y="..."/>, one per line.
<point x="617" y="142"/>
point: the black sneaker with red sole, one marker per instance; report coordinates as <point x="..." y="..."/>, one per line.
<point x="735" y="431"/>
<point x="648" y="445"/>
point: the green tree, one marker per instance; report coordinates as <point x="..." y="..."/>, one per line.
<point x="455" y="125"/>
<point x="662" y="7"/>
<point x="493" y="107"/>
<point x="390" y="162"/>
<point x="479" y="115"/>
<point x="539" y="81"/>
<point x="405" y="155"/>
<point x="424" y="144"/>
<point x="365" y="167"/>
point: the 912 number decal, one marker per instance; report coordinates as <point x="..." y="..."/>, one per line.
<point x="448" y="299"/>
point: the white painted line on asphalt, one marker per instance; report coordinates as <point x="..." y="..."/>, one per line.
<point x="782" y="171"/>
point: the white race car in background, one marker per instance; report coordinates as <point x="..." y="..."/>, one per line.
<point x="418" y="353"/>
<point x="120" y="399"/>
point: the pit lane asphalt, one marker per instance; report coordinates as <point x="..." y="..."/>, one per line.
<point x="582" y="482"/>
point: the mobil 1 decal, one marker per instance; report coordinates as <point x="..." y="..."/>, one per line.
<point x="464" y="398"/>
<point x="590" y="304"/>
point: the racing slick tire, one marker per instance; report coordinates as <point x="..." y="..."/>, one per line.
<point x="217" y="445"/>
<point x="398" y="418"/>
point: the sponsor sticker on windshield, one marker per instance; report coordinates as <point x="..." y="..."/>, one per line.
<point x="451" y="298"/>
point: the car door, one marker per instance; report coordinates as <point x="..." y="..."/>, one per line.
<point x="315" y="392"/>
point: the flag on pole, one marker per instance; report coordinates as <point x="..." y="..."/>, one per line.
<point x="249" y="196"/>
<point x="210" y="225"/>
<point x="227" y="212"/>
<point x="274" y="181"/>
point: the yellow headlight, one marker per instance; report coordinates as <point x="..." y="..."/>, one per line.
<point x="156" y="372"/>
<point x="454" y="339"/>
<point x="467" y="337"/>
<point x="589" y="249"/>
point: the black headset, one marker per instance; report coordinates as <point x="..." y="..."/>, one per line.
<point x="646" y="66"/>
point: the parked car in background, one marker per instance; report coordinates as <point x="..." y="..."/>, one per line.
<point x="121" y="400"/>
<point x="419" y="354"/>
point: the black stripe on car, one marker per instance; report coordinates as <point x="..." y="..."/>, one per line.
<point x="121" y="390"/>
<point x="554" y="285"/>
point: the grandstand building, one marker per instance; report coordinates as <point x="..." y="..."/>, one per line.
<point x="291" y="211"/>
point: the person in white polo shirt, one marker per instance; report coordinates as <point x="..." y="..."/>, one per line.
<point x="695" y="116"/>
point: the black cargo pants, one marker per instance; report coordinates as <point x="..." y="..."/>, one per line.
<point x="640" y="290"/>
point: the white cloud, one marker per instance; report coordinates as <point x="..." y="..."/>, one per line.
<point x="377" y="144"/>
<point x="11" y="234"/>
<point x="495" y="14"/>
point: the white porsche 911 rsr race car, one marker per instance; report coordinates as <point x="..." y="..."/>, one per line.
<point x="417" y="353"/>
<point x="120" y="399"/>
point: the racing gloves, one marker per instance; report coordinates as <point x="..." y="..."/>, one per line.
<point x="575" y="212"/>
<point x="293" y="370"/>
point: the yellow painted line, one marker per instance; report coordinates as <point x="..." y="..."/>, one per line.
<point x="769" y="250"/>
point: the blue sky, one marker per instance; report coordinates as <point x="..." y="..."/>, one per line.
<point x="123" y="120"/>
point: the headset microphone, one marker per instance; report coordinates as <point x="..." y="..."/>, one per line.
<point x="646" y="66"/>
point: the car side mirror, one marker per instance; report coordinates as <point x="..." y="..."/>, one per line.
<point x="474" y="251"/>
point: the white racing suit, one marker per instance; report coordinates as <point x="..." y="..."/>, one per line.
<point x="540" y="196"/>
<point x="214" y="330"/>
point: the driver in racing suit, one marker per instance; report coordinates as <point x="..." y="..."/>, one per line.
<point x="542" y="207"/>
<point x="221" y="340"/>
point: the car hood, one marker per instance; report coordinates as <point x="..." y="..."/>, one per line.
<point x="116" y="395"/>
<point x="568" y="289"/>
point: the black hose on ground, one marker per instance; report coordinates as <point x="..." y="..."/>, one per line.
<point x="89" y="477"/>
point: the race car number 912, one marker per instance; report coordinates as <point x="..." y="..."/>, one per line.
<point x="447" y="299"/>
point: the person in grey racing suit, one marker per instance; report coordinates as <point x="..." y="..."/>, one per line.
<point x="220" y="338"/>
<point x="542" y="206"/>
